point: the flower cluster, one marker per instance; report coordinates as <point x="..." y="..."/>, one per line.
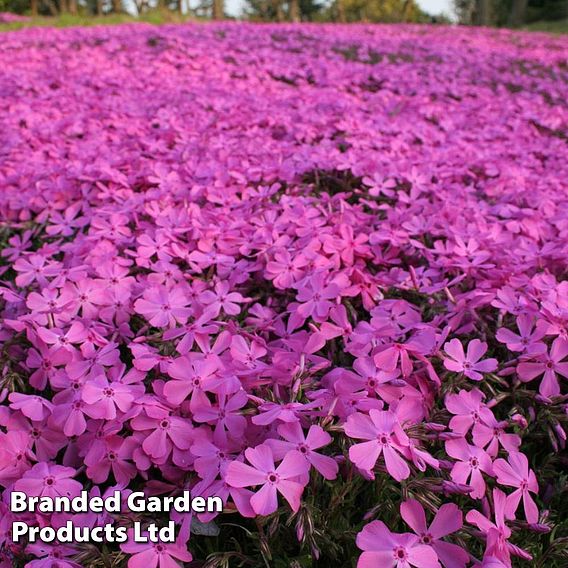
<point x="10" y="18"/>
<point x="246" y="261"/>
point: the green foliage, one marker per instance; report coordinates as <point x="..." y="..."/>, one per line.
<point x="67" y="20"/>
<point x="537" y="11"/>
<point x="15" y="6"/>
<point x="556" y="27"/>
<point x="382" y="10"/>
<point x="353" y="10"/>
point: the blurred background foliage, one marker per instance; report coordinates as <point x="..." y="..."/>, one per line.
<point x="549" y="15"/>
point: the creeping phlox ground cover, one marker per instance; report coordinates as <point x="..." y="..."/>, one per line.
<point x="317" y="271"/>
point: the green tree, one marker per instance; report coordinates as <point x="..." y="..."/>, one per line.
<point x="381" y="10"/>
<point x="283" y="10"/>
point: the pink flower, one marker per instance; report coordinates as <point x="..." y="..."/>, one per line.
<point x="190" y="378"/>
<point x="469" y="364"/>
<point x="272" y="479"/>
<point x="548" y="363"/>
<point x="496" y="533"/>
<point x="46" y="440"/>
<point x="315" y="296"/>
<point x="112" y="454"/>
<point x="15" y="456"/>
<point x="491" y="434"/>
<point x="527" y="339"/>
<point x="47" y="480"/>
<point x="469" y="410"/>
<point x="104" y="399"/>
<point x="163" y="307"/>
<point x="285" y="269"/>
<point x="33" y="406"/>
<point x="52" y="556"/>
<point x="34" y="268"/>
<point x="165" y="433"/>
<point x="390" y="550"/>
<point x="448" y="519"/>
<point x="294" y="439"/>
<point x="473" y="462"/>
<point x="226" y="415"/>
<point x="385" y="436"/>
<point x="45" y="360"/>
<point x="155" y="555"/>
<point x="515" y="472"/>
<point x="222" y="299"/>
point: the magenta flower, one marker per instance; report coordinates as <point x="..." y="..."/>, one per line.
<point x="515" y="472"/>
<point x="46" y="480"/>
<point x="469" y="364"/>
<point x="104" y="398"/>
<point x="155" y="555"/>
<point x="385" y="436"/>
<point x="162" y="432"/>
<point x="272" y="479"/>
<point x="472" y="463"/>
<point x="112" y="454"/>
<point x="390" y="550"/>
<point x="496" y="533"/>
<point x="469" y="410"/>
<point x="222" y="299"/>
<point x="448" y="520"/>
<point x="491" y="435"/>
<point x="52" y="556"/>
<point x="527" y="339"/>
<point x="226" y="415"/>
<point x="548" y="364"/>
<point x="162" y="307"/>
<point x="15" y="456"/>
<point x="315" y="296"/>
<point x="32" y="406"/>
<point x="190" y="378"/>
<point x="294" y="439"/>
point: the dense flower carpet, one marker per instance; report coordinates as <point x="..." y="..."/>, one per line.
<point x="319" y="272"/>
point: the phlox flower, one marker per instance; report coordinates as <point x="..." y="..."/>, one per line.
<point x="469" y="410"/>
<point x="385" y="436"/>
<point x="490" y="435"/>
<point x="33" y="407"/>
<point x="104" y="398"/>
<point x="111" y="454"/>
<point x="163" y="307"/>
<point x="45" y="440"/>
<point x="162" y="433"/>
<point x="294" y="439"/>
<point x="48" y="480"/>
<point x="472" y="463"/>
<point x="496" y="533"/>
<point x="515" y="472"/>
<point x="286" y="269"/>
<point x="225" y="415"/>
<point x="448" y="520"/>
<point x="222" y="299"/>
<point x="549" y="364"/>
<point x="45" y="360"/>
<point x="155" y="554"/>
<point x="51" y="556"/>
<point x="470" y="364"/>
<point x="527" y="338"/>
<point x="316" y="296"/>
<point x="35" y="268"/>
<point x="390" y="550"/>
<point x="190" y="378"/>
<point x="15" y="456"/>
<point x="272" y="479"/>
